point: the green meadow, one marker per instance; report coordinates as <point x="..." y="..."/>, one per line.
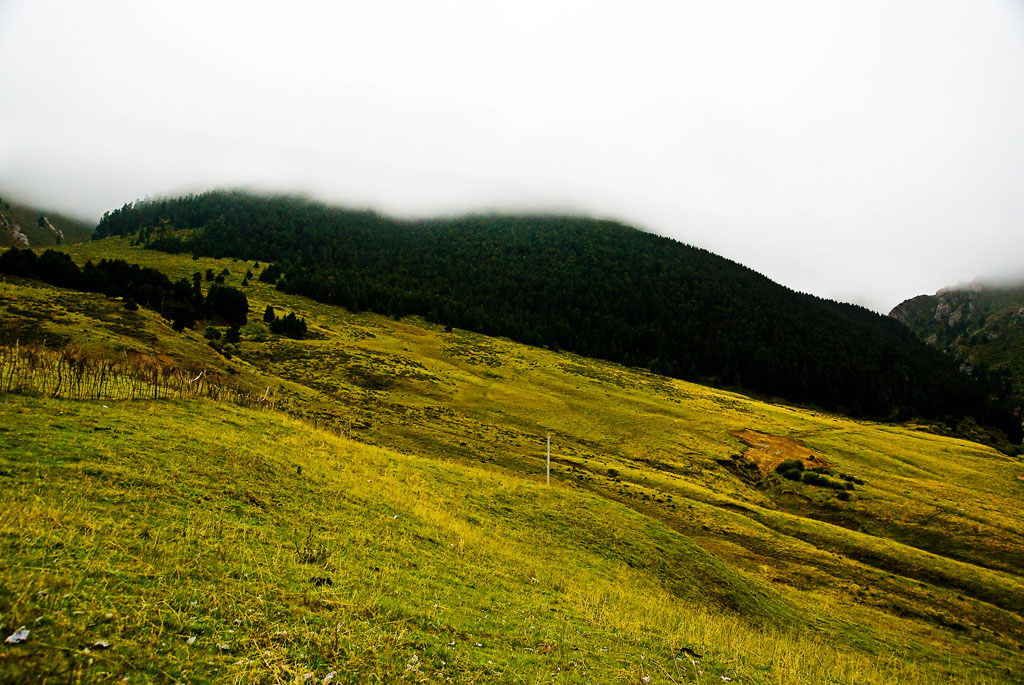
<point x="389" y="519"/>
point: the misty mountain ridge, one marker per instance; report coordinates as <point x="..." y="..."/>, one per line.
<point x="980" y="325"/>
<point x="23" y="225"/>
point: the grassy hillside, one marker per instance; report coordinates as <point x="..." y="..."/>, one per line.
<point x="598" y="288"/>
<point x="666" y="547"/>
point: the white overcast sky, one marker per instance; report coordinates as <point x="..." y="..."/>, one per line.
<point x="866" y="151"/>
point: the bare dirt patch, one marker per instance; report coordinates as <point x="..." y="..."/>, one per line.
<point x="768" y="451"/>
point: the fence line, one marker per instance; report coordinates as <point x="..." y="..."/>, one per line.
<point x="72" y="373"/>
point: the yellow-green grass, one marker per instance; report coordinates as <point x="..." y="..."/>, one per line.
<point x="922" y="565"/>
<point x="285" y="551"/>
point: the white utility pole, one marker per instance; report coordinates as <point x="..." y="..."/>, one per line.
<point x="549" y="459"/>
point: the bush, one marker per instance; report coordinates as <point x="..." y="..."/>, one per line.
<point x="791" y="469"/>
<point x="821" y="481"/>
<point x="790" y="465"/>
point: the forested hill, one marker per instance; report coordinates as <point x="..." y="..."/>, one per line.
<point x="594" y="287"/>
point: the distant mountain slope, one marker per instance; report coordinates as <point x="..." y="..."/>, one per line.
<point x="598" y="288"/>
<point x="26" y="226"/>
<point x="983" y="327"/>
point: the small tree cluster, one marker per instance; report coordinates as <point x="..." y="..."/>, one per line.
<point x="289" y="325"/>
<point x="227" y="303"/>
<point x="180" y="301"/>
<point x="271" y="274"/>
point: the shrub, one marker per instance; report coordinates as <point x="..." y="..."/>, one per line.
<point x="790" y="465"/>
<point x="821" y="481"/>
<point x="791" y="469"/>
<point x="812" y="478"/>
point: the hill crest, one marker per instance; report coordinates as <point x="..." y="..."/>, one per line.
<point x="594" y="287"/>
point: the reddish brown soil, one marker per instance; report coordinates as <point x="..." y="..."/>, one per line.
<point x="768" y="451"/>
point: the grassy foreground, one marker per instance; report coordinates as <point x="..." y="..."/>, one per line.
<point x="414" y="537"/>
<point x="285" y="552"/>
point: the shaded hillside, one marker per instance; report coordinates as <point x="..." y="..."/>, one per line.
<point x="25" y="226"/>
<point x="594" y="287"/>
<point x="982" y="327"/>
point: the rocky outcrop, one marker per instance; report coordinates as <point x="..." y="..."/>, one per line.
<point x="981" y="326"/>
<point x="45" y="224"/>
<point x="908" y="310"/>
<point x="10" y="233"/>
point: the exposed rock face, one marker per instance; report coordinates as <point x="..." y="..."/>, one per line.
<point x="58" y="235"/>
<point x="10" y="233"/>
<point x="908" y="309"/>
